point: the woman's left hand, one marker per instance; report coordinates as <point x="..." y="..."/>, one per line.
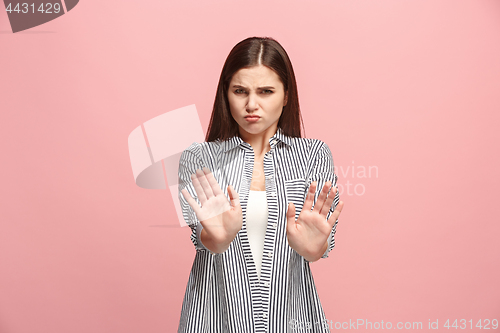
<point x="309" y="234"/>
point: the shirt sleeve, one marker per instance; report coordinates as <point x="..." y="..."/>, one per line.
<point x="323" y="171"/>
<point x="188" y="164"/>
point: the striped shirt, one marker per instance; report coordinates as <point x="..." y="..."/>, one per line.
<point x="224" y="293"/>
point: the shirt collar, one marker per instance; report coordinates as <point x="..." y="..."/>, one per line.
<point x="273" y="141"/>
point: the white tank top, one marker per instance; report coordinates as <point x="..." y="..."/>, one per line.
<point x="257" y="215"/>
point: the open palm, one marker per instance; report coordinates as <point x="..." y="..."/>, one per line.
<point x="220" y="218"/>
<point x="308" y="234"/>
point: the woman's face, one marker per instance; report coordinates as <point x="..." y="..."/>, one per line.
<point x="256" y="91"/>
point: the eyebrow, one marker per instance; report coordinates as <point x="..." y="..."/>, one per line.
<point x="262" y="88"/>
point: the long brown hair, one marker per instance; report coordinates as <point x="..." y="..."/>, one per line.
<point x="248" y="53"/>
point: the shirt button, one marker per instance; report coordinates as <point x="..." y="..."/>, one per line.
<point x="266" y="284"/>
<point x="275" y="225"/>
<point x="264" y="315"/>
<point x="273" y="194"/>
<point x="269" y="254"/>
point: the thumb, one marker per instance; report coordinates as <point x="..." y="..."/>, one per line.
<point x="290" y="215"/>
<point x="233" y="196"/>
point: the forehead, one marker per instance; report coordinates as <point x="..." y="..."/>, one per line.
<point x="256" y="76"/>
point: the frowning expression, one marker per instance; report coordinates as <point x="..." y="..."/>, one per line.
<point x="256" y="98"/>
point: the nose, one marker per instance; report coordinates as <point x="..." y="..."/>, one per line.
<point x="252" y="103"/>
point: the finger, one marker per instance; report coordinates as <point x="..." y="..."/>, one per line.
<point x="336" y="213"/>
<point x="318" y="206"/>
<point x="290" y="218"/>
<point x="200" y="192"/>
<point x="329" y="201"/>
<point x="212" y="181"/>
<point x="234" y="197"/>
<point x="204" y="183"/>
<point x="310" y="196"/>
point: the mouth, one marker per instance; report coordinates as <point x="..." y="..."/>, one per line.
<point x="252" y="117"/>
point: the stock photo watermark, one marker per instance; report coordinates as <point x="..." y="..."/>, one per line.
<point x="350" y="178"/>
<point x="356" y="324"/>
<point x="357" y="173"/>
<point x="24" y="15"/>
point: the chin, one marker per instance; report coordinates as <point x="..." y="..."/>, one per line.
<point x="253" y="130"/>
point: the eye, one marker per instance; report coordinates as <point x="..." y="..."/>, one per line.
<point x="240" y="91"/>
<point x="267" y="91"/>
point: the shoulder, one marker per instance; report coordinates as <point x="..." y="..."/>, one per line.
<point x="311" y="146"/>
<point x="202" y="149"/>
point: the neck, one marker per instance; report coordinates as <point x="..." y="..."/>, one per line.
<point x="260" y="141"/>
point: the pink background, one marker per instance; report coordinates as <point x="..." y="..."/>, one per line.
<point x="408" y="87"/>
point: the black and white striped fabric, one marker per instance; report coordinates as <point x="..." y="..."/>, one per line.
<point x="224" y="293"/>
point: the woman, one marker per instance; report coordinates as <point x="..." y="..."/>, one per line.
<point x="251" y="270"/>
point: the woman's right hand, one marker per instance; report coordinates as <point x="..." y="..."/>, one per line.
<point x="220" y="218"/>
